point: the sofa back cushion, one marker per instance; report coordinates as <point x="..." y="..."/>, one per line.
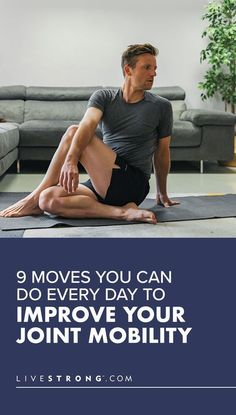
<point x="12" y="103"/>
<point x="12" y="110"/>
<point x="57" y="103"/>
<point x="172" y="93"/>
<point x="46" y="93"/>
<point x="12" y="92"/>
<point x="54" y="110"/>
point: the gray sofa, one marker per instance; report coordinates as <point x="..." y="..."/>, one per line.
<point x="37" y="117"/>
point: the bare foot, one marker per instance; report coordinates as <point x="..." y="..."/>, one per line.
<point x="24" y="207"/>
<point x="133" y="213"/>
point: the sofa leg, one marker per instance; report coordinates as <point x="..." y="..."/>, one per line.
<point x="201" y="166"/>
<point x="18" y="166"/>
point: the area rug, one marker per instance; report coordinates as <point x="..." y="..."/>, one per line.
<point x="190" y="208"/>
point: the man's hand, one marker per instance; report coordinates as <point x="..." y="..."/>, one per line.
<point x="69" y="177"/>
<point x="164" y="200"/>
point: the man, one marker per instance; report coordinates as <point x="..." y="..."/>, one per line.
<point x="136" y="128"/>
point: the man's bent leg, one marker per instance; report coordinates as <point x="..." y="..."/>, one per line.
<point x="83" y="204"/>
<point x="52" y="175"/>
<point x="29" y="205"/>
<point x="99" y="160"/>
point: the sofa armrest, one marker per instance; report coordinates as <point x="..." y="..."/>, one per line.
<point x="202" y="117"/>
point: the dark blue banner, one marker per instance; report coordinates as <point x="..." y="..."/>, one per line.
<point x="147" y="317"/>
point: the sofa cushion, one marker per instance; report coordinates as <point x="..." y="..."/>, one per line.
<point x="202" y="117"/>
<point x="44" y="133"/>
<point x="173" y="93"/>
<point x="54" y="110"/>
<point x="9" y="138"/>
<point x="40" y="93"/>
<point x="12" y="92"/>
<point x="12" y="110"/>
<point x="185" y="134"/>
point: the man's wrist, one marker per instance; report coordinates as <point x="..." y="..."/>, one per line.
<point x="71" y="159"/>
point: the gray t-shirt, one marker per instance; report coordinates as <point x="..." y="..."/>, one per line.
<point x="133" y="130"/>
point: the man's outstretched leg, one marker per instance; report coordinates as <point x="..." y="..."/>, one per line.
<point x="83" y="204"/>
<point x="29" y="205"/>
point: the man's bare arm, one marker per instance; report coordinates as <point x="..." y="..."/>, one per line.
<point x="69" y="177"/>
<point x="161" y="162"/>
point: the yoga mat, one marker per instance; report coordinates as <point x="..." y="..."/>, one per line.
<point x="190" y="208"/>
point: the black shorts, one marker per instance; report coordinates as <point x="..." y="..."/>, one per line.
<point x="128" y="184"/>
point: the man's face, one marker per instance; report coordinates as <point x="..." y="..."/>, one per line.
<point x="142" y="76"/>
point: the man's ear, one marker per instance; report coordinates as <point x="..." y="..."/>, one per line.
<point x="127" y="70"/>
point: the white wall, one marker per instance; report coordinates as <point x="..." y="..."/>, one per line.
<point x="79" y="42"/>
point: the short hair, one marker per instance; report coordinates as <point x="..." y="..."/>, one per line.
<point x="130" y="55"/>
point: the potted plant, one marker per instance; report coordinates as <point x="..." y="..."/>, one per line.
<point x="220" y="52"/>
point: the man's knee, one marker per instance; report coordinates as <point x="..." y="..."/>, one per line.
<point x="69" y="134"/>
<point x="72" y="129"/>
<point x="48" y="201"/>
